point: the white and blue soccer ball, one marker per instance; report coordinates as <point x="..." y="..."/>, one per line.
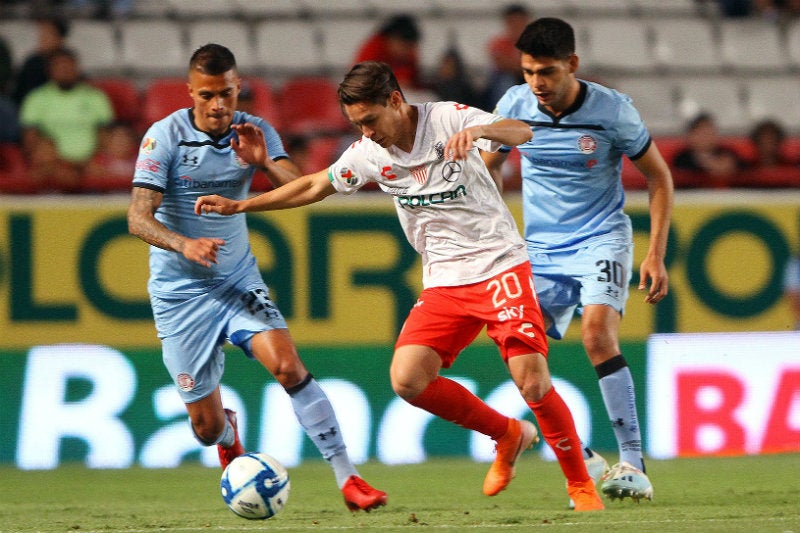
<point x="255" y="486"/>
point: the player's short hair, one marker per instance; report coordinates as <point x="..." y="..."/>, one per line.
<point x="369" y="81"/>
<point x="212" y="59"/>
<point x="547" y="37"/>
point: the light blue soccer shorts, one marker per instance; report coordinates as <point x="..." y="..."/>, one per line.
<point x="193" y="330"/>
<point x="565" y="281"/>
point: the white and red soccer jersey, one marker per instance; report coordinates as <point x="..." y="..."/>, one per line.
<point x="451" y="211"/>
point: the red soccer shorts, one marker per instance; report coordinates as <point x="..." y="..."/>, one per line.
<point x="449" y="318"/>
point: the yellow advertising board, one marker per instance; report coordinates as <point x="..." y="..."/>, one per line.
<point x="342" y="272"/>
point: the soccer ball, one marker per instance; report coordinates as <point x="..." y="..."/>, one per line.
<point x="255" y="486"/>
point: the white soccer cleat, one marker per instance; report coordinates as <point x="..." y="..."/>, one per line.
<point x="626" y="481"/>
<point x="597" y="467"/>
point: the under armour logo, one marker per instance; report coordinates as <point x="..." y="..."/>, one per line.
<point x="325" y="434"/>
<point x="189" y="160"/>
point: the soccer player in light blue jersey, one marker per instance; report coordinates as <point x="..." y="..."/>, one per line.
<point x="205" y="287"/>
<point x="791" y="288"/>
<point x="579" y="240"/>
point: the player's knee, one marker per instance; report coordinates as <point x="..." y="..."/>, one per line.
<point x="597" y="340"/>
<point x="534" y="389"/>
<point x="288" y="371"/>
<point x="407" y="389"/>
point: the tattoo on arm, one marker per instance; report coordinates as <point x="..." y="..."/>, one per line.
<point x="143" y="224"/>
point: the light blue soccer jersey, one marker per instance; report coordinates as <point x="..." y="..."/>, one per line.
<point x="183" y="163"/>
<point x="571" y="168"/>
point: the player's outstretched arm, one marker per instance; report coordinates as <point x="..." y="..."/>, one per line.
<point x="142" y="224"/>
<point x="302" y="191"/>
<point x="507" y="131"/>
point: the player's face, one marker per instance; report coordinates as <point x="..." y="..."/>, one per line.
<point x="552" y="80"/>
<point x="215" y="99"/>
<point x="381" y="124"/>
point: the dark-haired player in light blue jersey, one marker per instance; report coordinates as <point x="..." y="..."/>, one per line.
<point x="580" y="241"/>
<point x="205" y="287"/>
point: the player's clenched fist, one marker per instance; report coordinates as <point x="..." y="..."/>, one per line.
<point x="216" y="204"/>
<point x="202" y="251"/>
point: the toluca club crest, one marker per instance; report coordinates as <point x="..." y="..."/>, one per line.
<point x="587" y="144"/>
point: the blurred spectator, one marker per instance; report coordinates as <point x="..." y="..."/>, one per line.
<point x="113" y="164"/>
<point x="768" y="10"/>
<point x="735" y="8"/>
<point x="299" y="149"/>
<point x="52" y="35"/>
<point x="705" y="162"/>
<point x="396" y="43"/>
<point x="102" y="9"/>
<point x="768" y="138"/>
<point x="6" y="67"/>
<point x="791" y="289"/>
<point x="505" y="70"/>
<point x="47" y="171"/>
<point x="452" y="83"/>
<point x="9" y="121"/>
<point x="770" y="165"/>
<point x="64" y="111"/>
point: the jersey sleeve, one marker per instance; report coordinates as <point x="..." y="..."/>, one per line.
<point x="632" y="137"/>
<point x="351" y="171"/>
<point x="273" y="140"/>
<point x="153" y="161"/>
<point x="503" y="109"/>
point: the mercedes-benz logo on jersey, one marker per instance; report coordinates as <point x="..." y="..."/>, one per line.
<point x="451" y="170"/>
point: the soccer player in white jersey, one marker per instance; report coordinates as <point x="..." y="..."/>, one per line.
<point x="475" y="269"/>
<point x="205" y="286"/>
<point x="579" y="240"/>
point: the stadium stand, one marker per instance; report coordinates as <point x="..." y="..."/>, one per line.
<point x="768" y="96"/>
<point x="161" y="97"/>
<point x="751" y="45"/>
<point x="265" y="101"/>
<point x="722" y="96"/>
<point x="153" y="47"/>
<point x="288" y="47"/>
<point x="616" y="45"/>
<point x="124" y="96"/>
<point x="681" y="44"/>
<point x="309" y="106"/>
<point x="675" y="58"/>
<point x="96" y="45"/>
<point x="655" y="98"/>
<point x="234" y="34"/>
<point x="20" y="36"/>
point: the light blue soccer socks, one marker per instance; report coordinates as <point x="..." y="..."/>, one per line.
<point x="316" y="415"/>
<point x="619" y="396"/>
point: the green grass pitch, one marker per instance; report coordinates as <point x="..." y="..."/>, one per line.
<point x="753" y="494"/>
